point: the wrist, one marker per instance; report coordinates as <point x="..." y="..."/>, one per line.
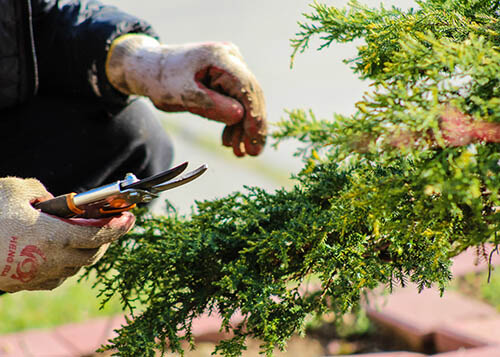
<point x="130" y="62"/>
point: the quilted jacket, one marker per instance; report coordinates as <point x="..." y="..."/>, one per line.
<point x="59" y="46"/>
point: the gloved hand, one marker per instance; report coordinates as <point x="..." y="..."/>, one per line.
<point x="39" y="251"/>
<point x="208" y="79"/>
<point x="459" y="129"/>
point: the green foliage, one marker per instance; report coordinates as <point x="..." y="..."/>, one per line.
<point x="382" y="198"/>
<point x="383" y="29"/>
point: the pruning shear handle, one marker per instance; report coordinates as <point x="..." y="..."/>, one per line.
<point x="117" y="197"/>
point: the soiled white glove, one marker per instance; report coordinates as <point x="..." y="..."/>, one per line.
<point x="208" y="79"/>
<point x="39" y="251"/>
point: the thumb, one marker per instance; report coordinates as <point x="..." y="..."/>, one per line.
<point x="88" y="233"/>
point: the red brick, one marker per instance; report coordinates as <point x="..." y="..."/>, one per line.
<point x="468" y="261"/>
<point x="449" y="339"/>
<point x="41" y="343"/>
<point x="414" y="317"/>
<point x="115" y="323"/>
<point x="493" y="351"/>
<point x="85" y="337"/>
<point x="9" y="346"/>
<point x="416" y="338"/>
<point x="206" y="328"/>
<point x="486" y="330"/>
<point x="389" y="354"/>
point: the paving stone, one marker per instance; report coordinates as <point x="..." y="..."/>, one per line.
<point x="414" y="317"/>
<point x="9" y="346"/>
<point x="417" y="339"/>
<point x="206" y="328"/>
<point x="85" y="337"/>
<point x="38" y="343"/>
<point x="114" y="324"/>
<point x="492" y="351"/>
<point x="468" y="261"/>
<point x="486" y="330"/>
<point x="449" y="339"/>
<point x="389" y="354"/>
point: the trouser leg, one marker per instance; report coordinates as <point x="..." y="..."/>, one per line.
<point x="70" y="145"/>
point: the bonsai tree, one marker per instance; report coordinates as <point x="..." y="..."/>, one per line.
<point x="386" y="196"/>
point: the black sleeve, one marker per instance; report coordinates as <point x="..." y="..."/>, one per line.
<point x="72" y="39"/>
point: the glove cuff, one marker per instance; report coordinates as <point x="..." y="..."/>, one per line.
<point x="123" y="52"/>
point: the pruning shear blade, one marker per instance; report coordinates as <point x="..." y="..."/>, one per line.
<point x="188" y="177"/>
<point x="119" y="196"/>
<point x="152" y="181"/>
<point x="149" y="188"/>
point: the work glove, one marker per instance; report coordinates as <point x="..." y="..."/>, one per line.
<point x="460" y="129"/>
<point x="39" y="251"/>
<point x="207" y="79"/>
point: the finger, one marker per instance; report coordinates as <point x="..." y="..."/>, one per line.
<point x="252" y="146"/>
<point x="24" y="191"/>
<point x="69" y="271"/>
<point x="255" y="134"/>
<point x="74" y="259"/>
<point x="214" y="83"/>
<point x="102" y="236"/>
<point x="248" y="92"/>
<point x="89" y="233"/>
<point x="255" y="125"/>
<point x="237" y="141"/>
<point x="49" y="284"/>
<point x="171" y="108"/>
<point x="227" y="136"/>
<point x="225" y="109"/>
<point x="222" y="109"/>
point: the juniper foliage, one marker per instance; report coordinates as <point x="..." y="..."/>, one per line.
<point x="363" y="212"/>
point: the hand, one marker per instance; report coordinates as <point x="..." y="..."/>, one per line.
<point x="459" y="129"/>
<point x="39" y="251"/>
<point x="208" y="79"/>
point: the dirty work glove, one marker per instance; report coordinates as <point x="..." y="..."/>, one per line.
<point x="39" y="251"/>
<point x="208" y="79"/>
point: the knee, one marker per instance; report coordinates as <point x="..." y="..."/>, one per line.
<point x="140" y="128"/>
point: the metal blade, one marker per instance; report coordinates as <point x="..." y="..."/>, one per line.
<point x="149" y="182"/>
<point x="188" y="177"/>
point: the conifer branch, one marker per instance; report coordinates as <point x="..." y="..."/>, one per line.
<point x="386" y="196"/>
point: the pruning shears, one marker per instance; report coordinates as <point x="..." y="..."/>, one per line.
<point x="117" y="197"/>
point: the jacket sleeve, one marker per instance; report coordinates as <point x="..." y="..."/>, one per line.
<point x="72" y="39"/>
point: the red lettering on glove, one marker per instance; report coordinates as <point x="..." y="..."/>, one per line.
<point x="27" y="269"/>
<point x="10" y="255"/>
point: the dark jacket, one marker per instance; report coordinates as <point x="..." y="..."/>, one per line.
<point x="59" y="47"/>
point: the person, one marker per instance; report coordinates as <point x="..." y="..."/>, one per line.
<point x="72" y="75"/>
